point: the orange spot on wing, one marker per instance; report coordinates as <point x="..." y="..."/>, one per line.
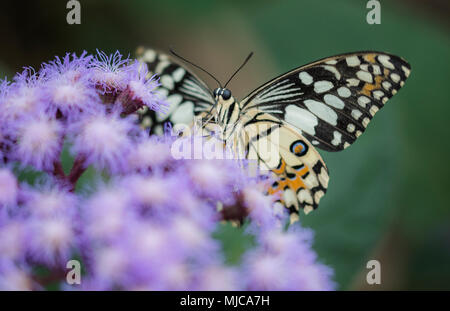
<point x="369" y="87"/>
<point x="303" y="171"/>
<point x="295" y="183"/>
<point x="370" y="58"/>
<point x="298" y="149"/>
<point x="281" y="169"/>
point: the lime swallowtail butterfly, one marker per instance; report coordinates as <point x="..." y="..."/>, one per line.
<point x="326" y="104"/>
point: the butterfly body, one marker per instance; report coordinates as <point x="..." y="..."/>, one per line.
<point x="227" y="109"/>
<point x="326" y="104"/>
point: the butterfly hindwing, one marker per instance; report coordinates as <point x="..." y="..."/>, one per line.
<point x="300" y="173"/>
<point x="186" y="94"/>
<point x="331" y="101"/>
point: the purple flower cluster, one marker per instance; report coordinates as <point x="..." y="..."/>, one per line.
<point x="149" y="221"/>
<point x="80" y="99"/>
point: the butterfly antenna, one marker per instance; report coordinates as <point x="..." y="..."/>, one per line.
<point x="197" y="66"/>
<point x="240" y="67"/>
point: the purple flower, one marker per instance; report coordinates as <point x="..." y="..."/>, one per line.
<point x="24" y="97"/>
<point x="4" y="88"/>
<point x="218" y="278"/>
<point x="150" y="218"/>
<point x="174" y="276"/>
<point x="39" y="142"/>
<point x="150" y="154"/>
<point x="141" y="89"/>
<point x="154" y="192"/>
<point x="193" y="239"/>
<point x="285" y="261"/>
<point x="71" y="67"/>
<point x="13" y="237"/>
<point x="8" y="188"/>
<point x="215" y="178"/>
<point x="51" y="239"/>
<point x="111" y="265"/>
<point x="49" y="201"/>
<point x="14" y="278"/>
<point x="110" y="74"/>
<point x="261" y="208"/>
<point x="109" y="201"/>
<point x="69" y="87"/>
<point x="103" y="140"/>
<point x="71" y="98"/>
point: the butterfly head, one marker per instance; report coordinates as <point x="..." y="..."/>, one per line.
<point x="222" y="94"/>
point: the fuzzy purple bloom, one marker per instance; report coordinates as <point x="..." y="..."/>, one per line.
<point x="38" y="142"/>
<point x="71" y="98"/>
<point x="141" y="88"/>
<point x="150" y="154"/>
<point x="8" y="188"/>
<point x="103" y="140"/>
<point x="69" y="86"/>
<point x="16" y="278"/>
<point x="110" y="73"/>
<point x="23" y="97"/>
<point x="13" y="237"/>
<point x="48" y="201"/>
<point x="71" y="66"/>
<point x="285" y="261"/>
<point x="52" y="239"/>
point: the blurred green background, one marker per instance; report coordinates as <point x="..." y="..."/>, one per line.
<point x="388" y="196"/>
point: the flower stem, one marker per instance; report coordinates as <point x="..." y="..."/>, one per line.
<point x="236" y="211"/>
<point x="77" y="170"/>
<point x="58" y="171"/>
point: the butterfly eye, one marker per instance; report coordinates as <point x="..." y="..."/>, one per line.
<point x="226" y="94"/>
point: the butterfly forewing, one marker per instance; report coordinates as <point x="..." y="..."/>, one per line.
<point x="331" y="101"/>
<point x="186" y="94"/>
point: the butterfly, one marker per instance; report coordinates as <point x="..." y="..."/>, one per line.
<point x="326" y="105"/>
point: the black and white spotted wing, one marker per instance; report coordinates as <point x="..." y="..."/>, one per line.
<point x="332" y="100"/>
<point x="187" y="95"/>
